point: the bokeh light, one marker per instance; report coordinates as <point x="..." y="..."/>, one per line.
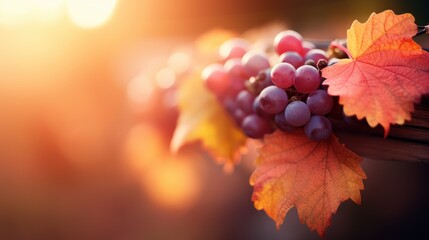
<point x="82" y="13"/>
<point x="90" y="13"/>
<point x="17" y="12"/>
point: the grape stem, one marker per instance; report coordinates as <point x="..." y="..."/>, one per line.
<point x="335" y="44"/>
<point x="422" y="30"/>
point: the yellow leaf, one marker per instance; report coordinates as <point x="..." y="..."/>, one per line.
<point x="203" y="119"/>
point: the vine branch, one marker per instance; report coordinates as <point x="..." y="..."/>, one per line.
<point x="422" y="30"/>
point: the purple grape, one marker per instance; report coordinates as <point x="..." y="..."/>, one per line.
<point x="282" y="124"/>
<point x="238" y="116"/>
<point x="316" y="55"/>
<point x="283" y="75"/>
<point x="321" y="64"/>
<point x="237" y="84"/>
<point x="320" y="102"/>
<point x="293" y="58"/>
<point x="245" y="101"/>
<point x="255" y="126"/>
<point x="255" y="61"/>
<point x="307" y="79"/>
<point x="318" y="128"/>
<point x="234" y="48"/>
<point x="297" y="113"/>
<point x="235" y="68"/>
<point x="288" y="41"/>
<point x="273" y="99"/>
<point x="230" y="104"/>
<point x="258" y="110"/>
<point x="261" y="81"/>
<point x="307" y="46"/>
<point x="216" y="79"/>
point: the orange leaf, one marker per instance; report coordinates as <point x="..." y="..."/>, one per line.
<point x="315" y="177"/>
<point x="387" y="71"/>
<point x="203" y="119"/>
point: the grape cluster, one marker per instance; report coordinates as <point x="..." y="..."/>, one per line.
<point x="263" y="91"/>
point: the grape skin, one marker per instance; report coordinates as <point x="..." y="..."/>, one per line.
<point x="288" y="40"/>
<point x="245" y="101"/>
<point x="255" y="126"/>
<point x="234" y="48"/>
<point x="283" y="75"/>
<point x="316" y="55"/>
<point x="258" y="110"/>
<point x="273" y="99"/>
<point x="318" y="128"/>
<point x="297" y="113"/>
<point x="293" y="58"/>
<point x="216" y="79"/>
<point x="255" y="61"/>
<point x="307" y="79"/>
<point x="235" y="68"/>
<point x="320" y="102"/>
<point x="282" y="123"/>
<point x="307" y="46"/>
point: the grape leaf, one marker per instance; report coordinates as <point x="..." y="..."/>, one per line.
<point x="203" y="119"/>
<point x="315" y="177"/>
<point x="387" y="71"/>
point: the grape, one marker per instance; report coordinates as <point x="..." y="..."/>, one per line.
<point x="236" y="85"/>
<point x="307" y="79"/>
<point x="293" y="58"/>
<point x="234" y="48"/>
<point x="283" y="75"/>
<point x="318" y="128"/>
<point x="307" y="46"/>
<point x="255" y="126"/>
<point x="238" y="116"/>
<point x="316" y="55"/>
<point x="282" y="124"/>
<point x="297" y="113"/>
<point x="273" y="99"/>
<point x="261" y="81"/>
<point x="230" y="104"/>
<point x="288" y="41"/>
<point x="255" y="61"/>
<point x="216" y="79"/>
<point x="235" y="68"/>
<point x="311" y="62"/>
<point x="245" y="101"/>
<point x="256" y="96"/>
<point x="319" y="102"/>
<point x="258" y="110"/>
<point x="321" y="64"/>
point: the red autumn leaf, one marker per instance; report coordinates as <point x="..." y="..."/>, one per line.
<point x="315" y="177"/>
<point x="387" y="71"/>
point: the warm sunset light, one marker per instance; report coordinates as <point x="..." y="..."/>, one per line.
<point x="83" y="13"/>
<point x="173" y="183"/>
<point x="23" y="11"/>
<point x="214" y="119"/>
<point x="90" y="13"/>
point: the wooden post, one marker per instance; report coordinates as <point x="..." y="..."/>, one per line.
<point x="409" y="142"/>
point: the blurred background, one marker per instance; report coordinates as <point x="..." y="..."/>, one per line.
<point x="87" y="109"/>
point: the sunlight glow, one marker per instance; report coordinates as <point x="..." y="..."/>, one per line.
<point x="173" y="184"/>
<point x="18" y="12"/>
<point x="90" y="13"/>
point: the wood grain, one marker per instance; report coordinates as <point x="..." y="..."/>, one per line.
<point x="409" y="142"/>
